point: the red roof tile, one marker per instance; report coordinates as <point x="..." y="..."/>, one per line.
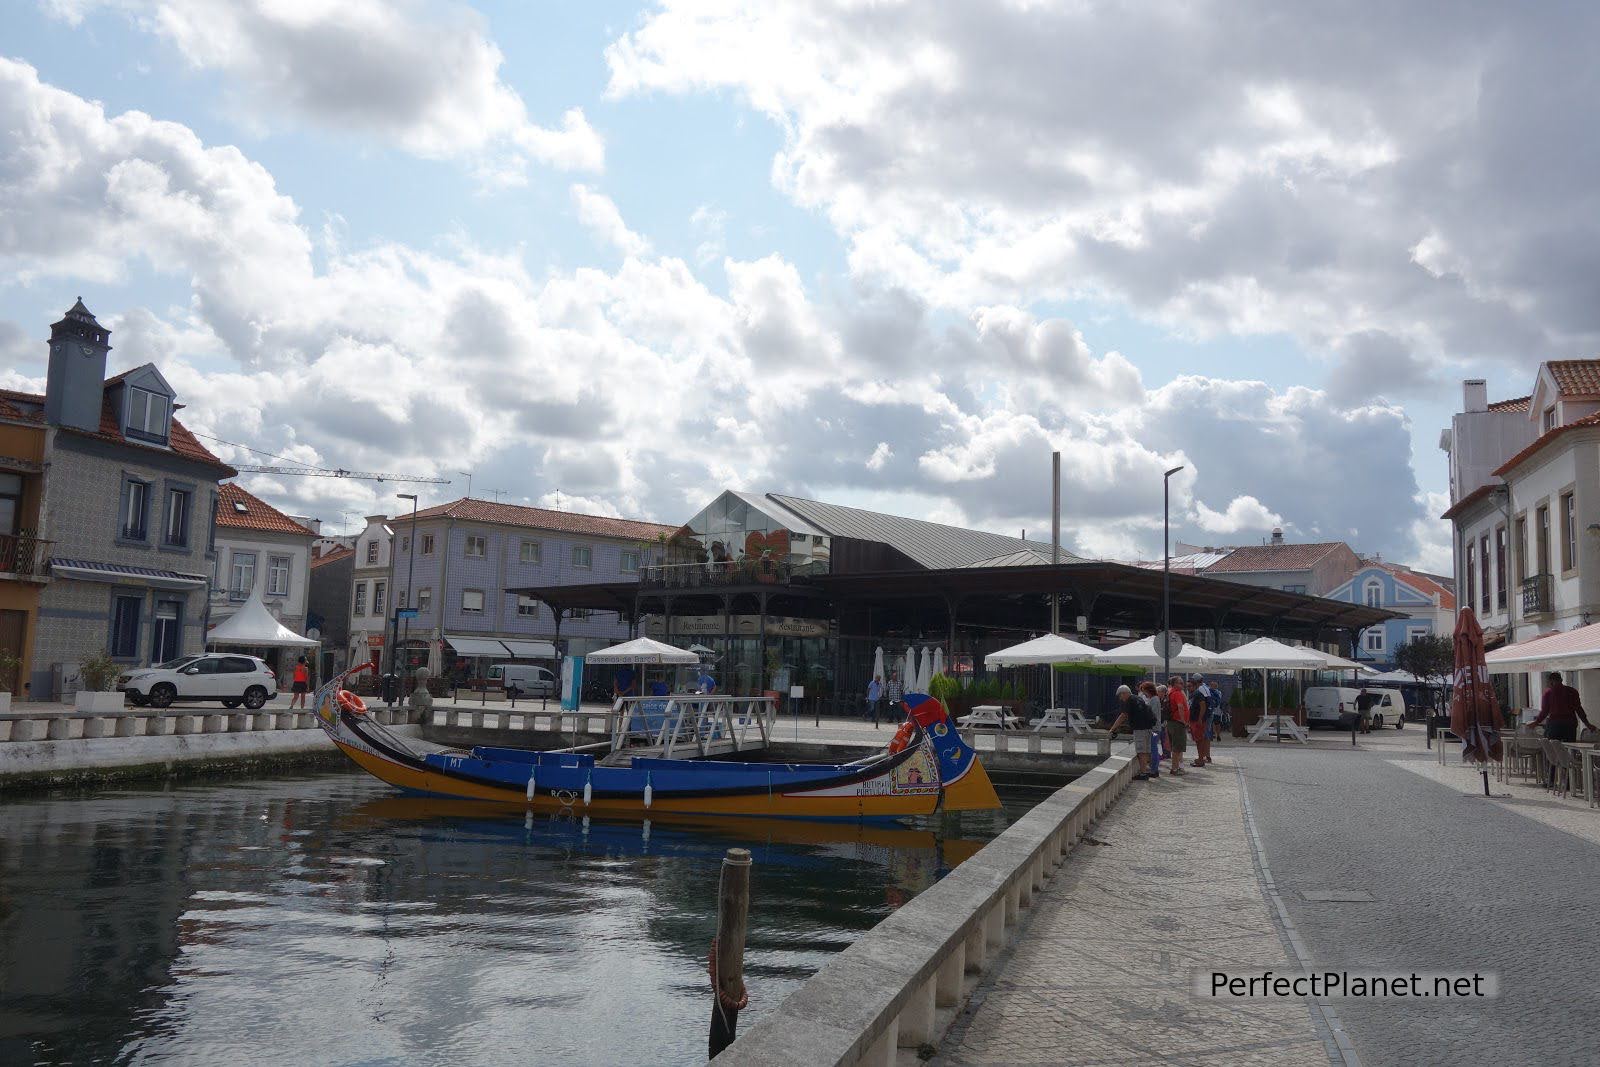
<point x="333" y="555"/>
<point x="1544" y="439"/>
<point x="257" y="513"/>
<point x="470" y="510"/>
<point x="1576" y="377"/>
<point x="1519" y="403"/>
<point x="1274" y="557"/>
<point x="1421" y="583"/>
<point x="1467" y="501"/>
<point x="21" y="407"/>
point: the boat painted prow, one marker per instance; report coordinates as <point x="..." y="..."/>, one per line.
<point x="966" y="784"/>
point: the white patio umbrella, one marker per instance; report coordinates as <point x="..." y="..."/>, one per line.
<point x="1144" y="653"/>
<point x="908" y="674"/>
<point x="1048" y="650"/>
<point x="1266" y="654"/>
<point x="938" y="660"/>
<point x="877" y="666"/>
<point x="644" y="650"/>
<point x="924" y="669"/>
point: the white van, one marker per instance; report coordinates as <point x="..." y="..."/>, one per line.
<point x="527" y="679"/>
<point x="1387" y="706"/>
<point x="1331" y="705"/>
<point x="1337" y="706"/>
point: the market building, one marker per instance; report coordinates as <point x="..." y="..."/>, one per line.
<point x="784" y="591"/>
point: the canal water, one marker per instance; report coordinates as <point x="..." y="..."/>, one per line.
<point x="322" y="919"/>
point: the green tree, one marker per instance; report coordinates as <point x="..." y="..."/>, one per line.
<point x="1429" y="656"/>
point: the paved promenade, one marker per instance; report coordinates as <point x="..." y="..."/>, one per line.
<point x="1234" y="865"/>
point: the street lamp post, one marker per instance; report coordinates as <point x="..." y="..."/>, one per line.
<point x="1166" y="570"/>
<point x="411" y="575"/>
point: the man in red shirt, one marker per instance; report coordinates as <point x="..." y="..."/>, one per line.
<point x="1177" y="721"/>
<point x="1560" y="709"/>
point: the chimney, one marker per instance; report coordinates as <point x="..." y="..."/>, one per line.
<point x="1277" y="535"/>
<point x="1474" y="395"/>
<point x="75" y="381"/>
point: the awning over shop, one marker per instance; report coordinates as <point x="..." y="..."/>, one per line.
<point x="1571" y="650"/>
<point x="89" y="570"/>
<point x="476" y="646"/>
<point x="529" y="649"/>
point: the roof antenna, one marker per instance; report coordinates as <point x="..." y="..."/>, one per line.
<point x="468" y="476"/>
<point x="496" y="493"/>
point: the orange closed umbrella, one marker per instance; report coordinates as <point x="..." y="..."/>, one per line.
<point x="1474" y="711"/>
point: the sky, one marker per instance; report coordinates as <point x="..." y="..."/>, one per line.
<point x="616" y="258"/>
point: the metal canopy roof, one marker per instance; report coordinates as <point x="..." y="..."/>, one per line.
<point x="931" y="544"/>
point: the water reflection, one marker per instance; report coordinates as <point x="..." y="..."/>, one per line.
<point x="322" y="919"/>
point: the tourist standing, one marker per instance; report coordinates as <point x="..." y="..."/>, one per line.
<point x="1152" y="700"/>
<point x="896" y="693"/>
<point x="874" y="694"/>
<point x="301" y="684"/>
<point x="1200" y="720"/>
<point x="1176" y="708"/>
<point x="1136" y="714"/>
<point x="1560" y="709"/>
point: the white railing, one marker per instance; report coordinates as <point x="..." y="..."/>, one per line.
<point x="676" y="725"/>
<point x="150" y="722"/>
<point x="900" y="984"/>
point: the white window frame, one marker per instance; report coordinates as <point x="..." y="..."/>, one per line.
<point x="1375" y="639"/>
<point x="274" y="587"/>
<point x="424" y="600"/>
<point x="630" y="560"/>
<point x="140" y="411"/>
<point x="481" y="541"/>
<point x="466" y="596"/>
<point x="427" y="544"/>
<point x="1372" y="593"/>
<point x="379" y="590"/>
<point x="583" y="557"/>
<point x="527" y="606"/>
<point x="238" y="590"/>
<point x="531" y="552"/>
<point x="182" y="515"/>
<point x="359" y="605"/>
<point x="372" y="551"/>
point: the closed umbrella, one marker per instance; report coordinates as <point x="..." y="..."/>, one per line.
<point x="938" y="661"/>
<point x="924" y="669"/>
<point x="1474" y="711"/>
<point x="908" y="677"/>
<point x="877" y="666"/>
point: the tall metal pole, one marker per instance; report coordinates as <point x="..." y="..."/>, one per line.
<point x="1166" y="571"/>
<point x="1055" y="559"/>
<point x="411" y="585"/>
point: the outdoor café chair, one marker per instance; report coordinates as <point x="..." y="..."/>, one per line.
<point x="1559" y="760"/>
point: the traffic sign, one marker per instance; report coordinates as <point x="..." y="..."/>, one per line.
<point x="406" y="613"/>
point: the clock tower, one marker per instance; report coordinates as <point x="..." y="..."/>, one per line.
<point x="75" y="383"/>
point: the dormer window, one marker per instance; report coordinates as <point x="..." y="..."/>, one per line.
<point x="1549" y="418"/>
<point x="147" y="415"/>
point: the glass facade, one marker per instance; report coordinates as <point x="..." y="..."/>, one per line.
<point x="732" y="539"/>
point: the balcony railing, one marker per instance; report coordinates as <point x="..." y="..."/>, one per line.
<point x="726" y="573"/>
<point x="24" y="555"/>
<point x="1538" y="595"/>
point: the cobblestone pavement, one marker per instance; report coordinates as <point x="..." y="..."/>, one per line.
<point x="1458" y="883"/>
<point x="1100" y="973"/>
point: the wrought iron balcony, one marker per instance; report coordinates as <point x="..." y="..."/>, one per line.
<point x="1538" y="595"/>
<point x="22" y="554"/>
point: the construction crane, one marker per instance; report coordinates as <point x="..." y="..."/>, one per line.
<point x="300" y="470"/>
<point x="319" y="472"/>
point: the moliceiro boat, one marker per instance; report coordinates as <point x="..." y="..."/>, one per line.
<point x="927" y="768"/>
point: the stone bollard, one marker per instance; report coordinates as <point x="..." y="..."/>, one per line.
<point x="28" y="730"/>
<point x="261" y="720"/>
<point x="215" y="724"/>
<point x="60" y="728"/>
<point x="99" y="727"/>
<point x="239" y="722"/>
<point x="185" y="723"/>
<point x="130" y="725"/>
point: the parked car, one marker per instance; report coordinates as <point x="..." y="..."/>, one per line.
<point x="228" y="678"/>
<point x="525" y="679"/>
<point x="1386" y="706"/>
<point x="1332" y="705"/>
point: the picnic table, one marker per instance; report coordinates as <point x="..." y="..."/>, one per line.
<point x="990" y="715"/>
<point x="1062" y="719"/>
<point x="1278" y="727"/>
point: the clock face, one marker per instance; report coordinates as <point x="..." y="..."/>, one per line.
<point x="87" y="350"/>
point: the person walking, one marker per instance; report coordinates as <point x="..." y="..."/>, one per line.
<point x="301" y="684"/>
<point x="896" y="693"/>
<point x="874" y="694"/>
<point x="1560" y="709"/>
<point x="1134" y="713"/>
<point x="1200" y="720"/>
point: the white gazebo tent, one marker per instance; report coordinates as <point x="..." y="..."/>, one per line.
<point x="1048" y="650"/>
<point x="1144" y="653"/>
<point x="1265" y="654"/>
<point x="253" y="626"/>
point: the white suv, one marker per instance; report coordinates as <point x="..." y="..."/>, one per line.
<point x="229" y="678"/>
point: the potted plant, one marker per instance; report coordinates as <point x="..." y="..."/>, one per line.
<point x="97" y="674"/>
<point x="9" y="665"/>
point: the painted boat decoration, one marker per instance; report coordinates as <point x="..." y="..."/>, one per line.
<point x="926" y="769"/>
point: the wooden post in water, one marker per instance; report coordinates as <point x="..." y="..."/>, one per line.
<point x="727" y="951"/>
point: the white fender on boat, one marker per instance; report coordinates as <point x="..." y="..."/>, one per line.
<point x="530" y="785"/>
<point x="649" y="790"/>
<point x="588" y="789"/>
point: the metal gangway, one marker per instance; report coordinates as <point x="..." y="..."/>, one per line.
<point x="689" y="726"/>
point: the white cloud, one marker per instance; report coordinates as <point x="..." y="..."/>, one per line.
<point x="1243" y="513"/>
<point x="600" y="216"/>
<point x="639" y="389"/>
<point x="422" y="74"/>
<point x="1360" y="171"/>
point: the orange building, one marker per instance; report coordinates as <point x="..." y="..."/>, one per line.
<point x="24" y="559"/>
